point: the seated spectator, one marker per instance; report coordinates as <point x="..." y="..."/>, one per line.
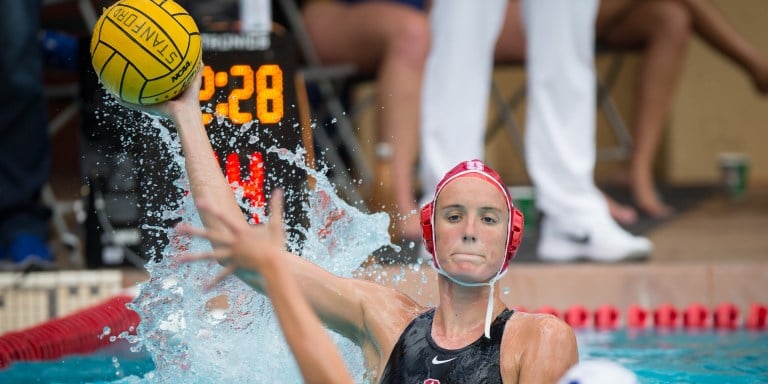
<point x="661" y="30"/>
<point x="560" y="117"/>
<point x="389" y="39"/>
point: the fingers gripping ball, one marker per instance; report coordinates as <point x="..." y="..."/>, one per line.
<point x="145" y="51"/>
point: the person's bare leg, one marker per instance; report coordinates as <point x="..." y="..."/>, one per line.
<point x="399" y="95"/>
<point x="393" y="41"/>
<point x="712" y="26"/>
<point x="510" y="48"/>
<point x="662" y="29"/>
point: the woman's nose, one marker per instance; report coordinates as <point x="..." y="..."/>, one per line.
<point x="469" y="230"/>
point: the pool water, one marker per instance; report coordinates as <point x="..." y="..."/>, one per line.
<point x="732" y="357"/>
<point x="104" y="366"/>
<point x="680" y="356"/>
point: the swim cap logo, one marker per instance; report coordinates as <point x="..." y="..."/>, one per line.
<point x="475" y="165"/>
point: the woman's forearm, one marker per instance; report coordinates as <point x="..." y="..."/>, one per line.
<point x="206" y="179"/>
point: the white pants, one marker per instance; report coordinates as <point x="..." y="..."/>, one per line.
<point x="457" y="85"/>
<point x="560" y="120"/>
<point x="560" y="117"/>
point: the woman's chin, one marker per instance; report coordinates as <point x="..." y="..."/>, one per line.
<point x="468" y="272"/>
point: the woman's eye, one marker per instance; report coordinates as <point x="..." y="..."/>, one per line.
<point x="489" y="220"/>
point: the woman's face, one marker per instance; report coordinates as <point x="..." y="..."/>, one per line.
<point x="471" y="219"/>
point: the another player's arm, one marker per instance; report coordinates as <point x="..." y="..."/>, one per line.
<point x="368" y="313"/>
<point x="318" y="358"/>
<point x="346" y="305"/>
<point x="339" y="302"/>
<point x="240" y="246"/>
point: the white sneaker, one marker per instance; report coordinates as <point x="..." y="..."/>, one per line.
<point x="604" y="242"/>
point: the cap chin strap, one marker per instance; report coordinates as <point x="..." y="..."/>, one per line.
<point x="490" y="283"/>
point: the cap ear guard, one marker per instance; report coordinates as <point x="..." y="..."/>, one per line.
<point x="517" y="224"/>
<point x="426" y="227"/>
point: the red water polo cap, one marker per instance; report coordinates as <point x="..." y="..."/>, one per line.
<point x="474" y="168"/>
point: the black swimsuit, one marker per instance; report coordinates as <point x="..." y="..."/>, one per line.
<point x="417" y="359"/>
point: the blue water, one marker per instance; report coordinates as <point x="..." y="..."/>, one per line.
<point x="733" y="357"/>
<point x="114" y="363"/>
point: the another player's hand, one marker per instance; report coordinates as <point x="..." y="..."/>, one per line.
<point x="186" y="102"/>
<point x="237" y="244"/>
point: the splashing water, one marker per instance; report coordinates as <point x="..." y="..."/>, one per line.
<point x="230" y="333"/>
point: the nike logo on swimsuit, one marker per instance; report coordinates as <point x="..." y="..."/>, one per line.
<point x="436" y="361"/>
<point x="580" y="239"/>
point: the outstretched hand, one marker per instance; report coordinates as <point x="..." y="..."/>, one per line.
<point x="237" y="244"/>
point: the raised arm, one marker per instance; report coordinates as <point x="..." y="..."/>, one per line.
<point x="338" y="301"/>
<point x="341" y="303"/>
<point x="317" y="356"/>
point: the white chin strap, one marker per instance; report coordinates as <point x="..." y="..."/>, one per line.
<point x="490" y="283"/>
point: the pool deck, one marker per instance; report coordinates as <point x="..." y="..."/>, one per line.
<point x="714" y="253"/>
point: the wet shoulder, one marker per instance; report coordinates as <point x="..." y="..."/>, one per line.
<point x="538" y="346"/>
<point x="532" y="338"/>
<point x="535" y="325"/>
<point x="525" y="331"/>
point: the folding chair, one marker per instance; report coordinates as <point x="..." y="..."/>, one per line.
<point x="323" y="77"/>
<point x="605" y="103"/>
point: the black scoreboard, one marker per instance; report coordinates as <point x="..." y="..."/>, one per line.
<point x="249" y="103"/>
